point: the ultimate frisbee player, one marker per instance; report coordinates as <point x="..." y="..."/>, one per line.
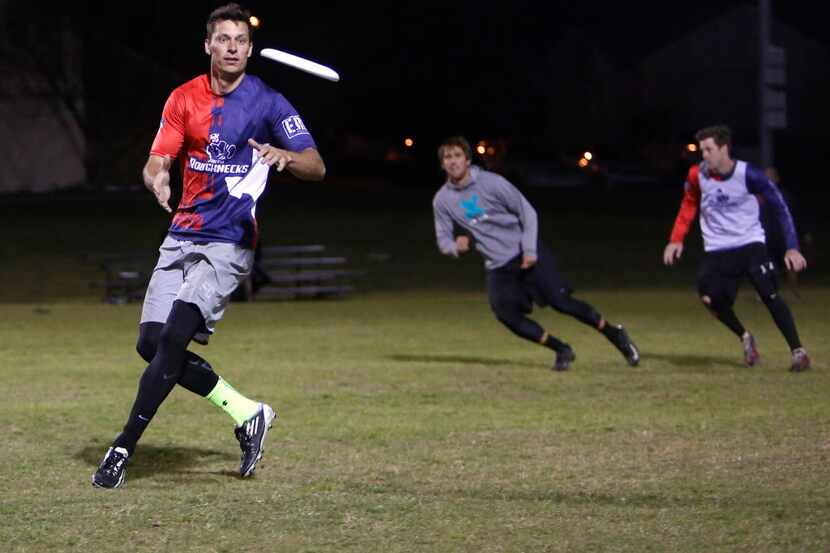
<point x="500" y="223"/>
<point x="227" y="129"/>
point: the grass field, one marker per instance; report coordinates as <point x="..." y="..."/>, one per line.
<point x="410" y="419"/>
<point x="416" y="423"/>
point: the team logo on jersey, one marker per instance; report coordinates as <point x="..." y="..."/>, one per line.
<point x="720" y="200"/>
<point x="218" y="150"/>
<point x="472" y="212"/>
<point x="293" y="126"/>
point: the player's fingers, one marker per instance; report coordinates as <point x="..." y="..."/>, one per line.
<point x="281" y="163"/>
<point x="256" y="145"/>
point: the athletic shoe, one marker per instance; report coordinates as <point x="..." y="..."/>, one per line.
<point x="751" y="355"/>
<point x="112" y="471"/>
<point x="801" y="361"/>
<point x="251" y="436"/>
<point x="623" y="343"/>
<point x="564" y="359"/>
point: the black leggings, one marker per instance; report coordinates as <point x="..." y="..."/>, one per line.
<point x="197" y="374"/>
<point x="164" y="371"/>
<point x="513" y="291"/>
<point x="718" y="280"/>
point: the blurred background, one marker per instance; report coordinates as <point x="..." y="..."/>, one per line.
<point x="589" y="108"/>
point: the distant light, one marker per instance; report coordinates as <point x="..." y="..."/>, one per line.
<point x="491" y="151"/>
<point x="583" y="162"/>
<point x="254" y="21"/>
<point x="481" y="149"/>
<point x="588" y="155"/>
<point x="408" y="142"/>
<point x="691" y="147"/>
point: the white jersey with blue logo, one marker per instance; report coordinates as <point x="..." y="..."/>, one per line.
<point x="729" y="207"/>
<point x="729" y="212"/>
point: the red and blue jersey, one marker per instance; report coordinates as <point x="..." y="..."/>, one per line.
<point x="221" y="174"/>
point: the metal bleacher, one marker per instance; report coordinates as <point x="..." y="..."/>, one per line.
<point x="279" y="272"/>
<point x="302" y="271"/>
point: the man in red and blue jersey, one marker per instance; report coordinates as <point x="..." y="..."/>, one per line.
<point x="227" y="129"/>
<point x="726" y="193"/>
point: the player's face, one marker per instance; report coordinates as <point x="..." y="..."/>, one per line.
<point x="229" y="47"/>
<point x="455" y="162"/>
<point x="716" y="156"/>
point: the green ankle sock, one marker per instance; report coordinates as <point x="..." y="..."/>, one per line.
<point x="232" y="402"/>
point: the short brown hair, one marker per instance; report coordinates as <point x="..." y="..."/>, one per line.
<point x="229" y="12"/>
<point x="457" y="141"/>
<point x="721" y="134"/>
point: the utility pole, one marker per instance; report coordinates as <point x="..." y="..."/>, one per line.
<point x="772" y="80"/>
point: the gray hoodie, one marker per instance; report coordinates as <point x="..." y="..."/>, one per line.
<point x="501" y="221"/>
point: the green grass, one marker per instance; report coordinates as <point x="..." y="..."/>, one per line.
<point x="410" y="419"/>
<point x="415" y="422"/>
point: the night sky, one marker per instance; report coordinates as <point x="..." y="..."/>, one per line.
<point x="423" y="69"/>
<point x="471" y="65"/>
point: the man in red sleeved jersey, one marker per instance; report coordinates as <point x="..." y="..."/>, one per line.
<point x="726" y="192"/>
<point x="227" y="129"/>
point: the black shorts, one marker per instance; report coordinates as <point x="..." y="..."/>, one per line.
<point x="721" y="272"/>
<point x="510" y="285"/>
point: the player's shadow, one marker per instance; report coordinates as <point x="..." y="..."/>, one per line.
<point x="152" y="460"/>
<point x="463" y="359"/>
<point x="694" y="360"/>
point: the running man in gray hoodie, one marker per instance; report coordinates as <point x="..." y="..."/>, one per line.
<point x="520" y="269"/>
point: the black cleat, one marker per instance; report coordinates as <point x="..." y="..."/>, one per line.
<point x="251" y="436"/>
<point x="564" y="359"/>
<point x="623" y="343"/>
<point x="112" y="471"/>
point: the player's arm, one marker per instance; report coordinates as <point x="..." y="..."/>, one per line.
<point x="758" y="183"/>
<point x="165" y="148"/>
<point x="517" y="204"/>
<point x="685" y="217"/>
<point x="305" y="165"/>
<point x="447" y="244"/>
<point x="156" y="175"/>
<point x="292" y="146"/>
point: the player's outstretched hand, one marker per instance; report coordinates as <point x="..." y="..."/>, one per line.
<point x="271" y="155"/>
<point x="161" y="189"/>
<point x="794" y="261"/>
<point x="672" y="252"/>
<point x="528" y="261"/>
<point x="462" y="243"/>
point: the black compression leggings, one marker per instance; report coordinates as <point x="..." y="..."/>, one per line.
<point x="512" y="315"/>
<point x="197" y="374"/>
<point x="163" y="372"/>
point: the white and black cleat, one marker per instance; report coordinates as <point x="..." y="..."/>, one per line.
<point x="112" y="471"/>
<point x="251" y="435"/>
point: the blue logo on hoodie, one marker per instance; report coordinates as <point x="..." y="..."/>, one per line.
<point x="471" y="210"/>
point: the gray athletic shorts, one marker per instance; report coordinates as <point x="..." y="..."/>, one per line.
<point x="202" y="274"/>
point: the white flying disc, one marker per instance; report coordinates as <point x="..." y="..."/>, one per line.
<point x="300" y="63"/>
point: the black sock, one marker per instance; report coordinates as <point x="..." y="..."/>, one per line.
<point x="726" y="315"/>
<point x="611" y="332"/>
<point x="554" y="343"/>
